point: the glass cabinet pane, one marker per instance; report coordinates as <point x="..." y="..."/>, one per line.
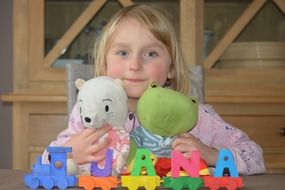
<point x="61" y="14"/>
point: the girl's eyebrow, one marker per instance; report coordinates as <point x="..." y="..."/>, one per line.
<point x="148" y="45"/>
<point x="155" y="45"/>
<point x="120" y="44"/>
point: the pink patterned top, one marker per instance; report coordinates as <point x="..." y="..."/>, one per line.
<point x="210" y="129"/>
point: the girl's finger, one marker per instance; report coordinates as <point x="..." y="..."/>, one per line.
<point x="96" y="158"/>
<point x="184" y="148"/>
<point x="185" y="135"/>
<point x="97" y="147"/>
<point x="180" y="140"/>
<point x="87" y="132"/>
<point x="93" y="137"/>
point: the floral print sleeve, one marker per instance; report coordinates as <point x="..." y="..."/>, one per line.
<point x="214" y="132"/>
<point x="75" y="125"/>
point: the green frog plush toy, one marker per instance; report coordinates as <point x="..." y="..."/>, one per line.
<point x="163" y="114"/>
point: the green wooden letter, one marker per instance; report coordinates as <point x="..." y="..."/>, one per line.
<point x="143" y="159"/>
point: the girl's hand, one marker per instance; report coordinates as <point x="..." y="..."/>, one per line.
<point x="85" y="145"/>
<point x="186" y="143"/>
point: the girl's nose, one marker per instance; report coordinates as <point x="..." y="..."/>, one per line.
<point x="135" y="63"/>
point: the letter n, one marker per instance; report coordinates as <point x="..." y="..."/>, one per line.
<point x="179" y="161"/>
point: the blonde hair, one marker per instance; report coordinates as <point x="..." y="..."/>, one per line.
<point x="159" y="25"/>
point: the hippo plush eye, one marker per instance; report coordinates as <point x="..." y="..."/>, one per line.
<point x="194" y="101"/>
<point x="154" y="85"/>
<point x="106" y="108"/>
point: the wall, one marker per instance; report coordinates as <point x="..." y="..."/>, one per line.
<point x="6" y="77"/>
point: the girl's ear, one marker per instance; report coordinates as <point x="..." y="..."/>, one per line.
<point x="170" y="76"/>
<point x="79" y="83"/>
<point x="170" y="73"/>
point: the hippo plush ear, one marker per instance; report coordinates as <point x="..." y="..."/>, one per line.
<point x="79" y="83"/>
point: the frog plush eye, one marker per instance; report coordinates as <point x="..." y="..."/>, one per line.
<point x="194" y="100"/>
<point x="154" y="85"/>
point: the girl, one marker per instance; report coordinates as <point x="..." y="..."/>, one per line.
<point x="139" y="45"/>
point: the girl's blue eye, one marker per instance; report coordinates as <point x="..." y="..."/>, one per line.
<point x="122" y="53"/>
<point x="151" y="54"/>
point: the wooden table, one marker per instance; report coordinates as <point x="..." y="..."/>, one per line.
<point x="13" y="180"/>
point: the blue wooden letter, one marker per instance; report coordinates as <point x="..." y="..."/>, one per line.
<point x="225" y="160"/>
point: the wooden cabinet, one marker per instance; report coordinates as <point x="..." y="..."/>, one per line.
<point x="252" y="99"/>
<point x="245" y="80"/>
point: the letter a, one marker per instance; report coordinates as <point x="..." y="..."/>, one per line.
<point x="142" y="159"/>
<point x="179" y="161"/>
<point x="225" y="160"/>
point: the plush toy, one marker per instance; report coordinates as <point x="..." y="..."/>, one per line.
<point x="102" y="100"/>
<point x="163" y="114"/>
<point x="166" y="112"/>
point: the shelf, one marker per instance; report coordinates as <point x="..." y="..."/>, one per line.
<point x="246" y="99"/>
<point x="33" y="98"/>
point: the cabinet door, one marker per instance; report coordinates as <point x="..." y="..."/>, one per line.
<point x="266" y="131"/>
<point x="35" y="126"/>
<point x="264" y="123"/>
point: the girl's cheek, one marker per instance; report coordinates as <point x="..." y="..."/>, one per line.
<point x="159" y="73"/>
<point x="115" y="70"/>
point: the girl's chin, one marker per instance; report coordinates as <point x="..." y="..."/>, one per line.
<point x="135" y="93"/>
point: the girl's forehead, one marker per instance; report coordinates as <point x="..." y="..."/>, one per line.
<point x="130" y="21"/>
<point x="131" y="30"/>
<point x="131" y="25"/>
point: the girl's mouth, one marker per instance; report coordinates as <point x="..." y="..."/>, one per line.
<point x="134" y="80"/>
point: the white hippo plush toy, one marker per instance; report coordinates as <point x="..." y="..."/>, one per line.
<point x="103" y="100"/>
